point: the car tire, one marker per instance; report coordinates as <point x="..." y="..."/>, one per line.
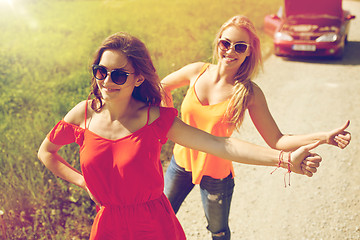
<point x="340" y="54"/>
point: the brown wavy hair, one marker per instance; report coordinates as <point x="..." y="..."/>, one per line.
<point x="136" y="52"/>
<point x="247" y="71"/>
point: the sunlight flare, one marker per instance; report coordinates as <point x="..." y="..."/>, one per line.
<point x="8" y="2"/>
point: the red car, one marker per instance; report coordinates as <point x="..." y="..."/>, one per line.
<point x="309" y="28"/>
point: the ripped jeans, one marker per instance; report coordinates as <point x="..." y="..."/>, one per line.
<point x="216" y="197"/>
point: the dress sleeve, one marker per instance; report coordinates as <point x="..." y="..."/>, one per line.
<point x="164" y="122"/>
<point x="65" y="133"/>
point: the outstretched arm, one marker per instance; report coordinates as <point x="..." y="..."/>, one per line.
<point x="268" y="129"/>
<point x="239" y="151"/>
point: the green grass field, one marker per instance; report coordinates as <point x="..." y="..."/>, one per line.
<point x="45" y="51"/>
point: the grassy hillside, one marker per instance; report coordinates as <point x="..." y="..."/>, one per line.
<point x="45" y="50"/>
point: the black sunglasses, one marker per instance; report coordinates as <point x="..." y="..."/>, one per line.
<point x="225" y="45"/>
<point x="118" y="76"/>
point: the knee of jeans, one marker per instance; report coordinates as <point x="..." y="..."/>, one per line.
<point x="215" y="198"/>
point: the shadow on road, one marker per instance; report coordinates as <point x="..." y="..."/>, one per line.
<point x="351" y="56"/>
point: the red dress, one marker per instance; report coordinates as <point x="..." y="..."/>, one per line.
<point x="126" y="177"/>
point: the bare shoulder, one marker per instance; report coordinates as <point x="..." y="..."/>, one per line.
<point x="257" y="96"/>
<point x="256" y="89"/>
<point x="154" y="113"/>
<point x="182" y="77"/>
<point x="76" y="115"/>
<point x="191" y="69"/>
<point x="194" y="68"/>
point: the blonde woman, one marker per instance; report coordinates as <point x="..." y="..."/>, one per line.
<point x="216" y="101"/>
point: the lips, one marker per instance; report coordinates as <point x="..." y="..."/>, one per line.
<point x="229" y="59"/>
<point x="106" y="89"/>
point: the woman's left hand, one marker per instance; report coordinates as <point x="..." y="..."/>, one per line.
<point x="339" y="137"/>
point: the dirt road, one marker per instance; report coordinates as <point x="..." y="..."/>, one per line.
<point x="304" y="97"/>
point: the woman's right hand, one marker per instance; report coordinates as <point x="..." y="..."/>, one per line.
<point x="305" y="162"/>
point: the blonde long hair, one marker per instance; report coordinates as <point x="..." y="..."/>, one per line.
<point x="243" y="87"/>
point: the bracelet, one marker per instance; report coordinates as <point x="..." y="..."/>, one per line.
<point x="281" y="160"/>
<point x="288" y="167"/>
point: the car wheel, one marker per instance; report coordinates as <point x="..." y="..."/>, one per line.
<point x="340" y="54"/>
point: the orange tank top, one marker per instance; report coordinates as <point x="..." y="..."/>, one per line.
<point x="209" y="118"/>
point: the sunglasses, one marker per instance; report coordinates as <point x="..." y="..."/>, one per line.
<point x="118" y="76"/>
<point x="225" y="45"/>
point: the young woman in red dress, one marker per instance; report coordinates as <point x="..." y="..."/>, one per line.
<point x="120" y="133"/>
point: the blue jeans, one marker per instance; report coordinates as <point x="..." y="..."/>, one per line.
<point x="216" y="195"/>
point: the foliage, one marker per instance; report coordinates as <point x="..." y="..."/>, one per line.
<point x="45" y="51"/>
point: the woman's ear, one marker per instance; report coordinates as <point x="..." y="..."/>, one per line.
<point x="249" y="50"/>
<point x="140" y="79"/>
